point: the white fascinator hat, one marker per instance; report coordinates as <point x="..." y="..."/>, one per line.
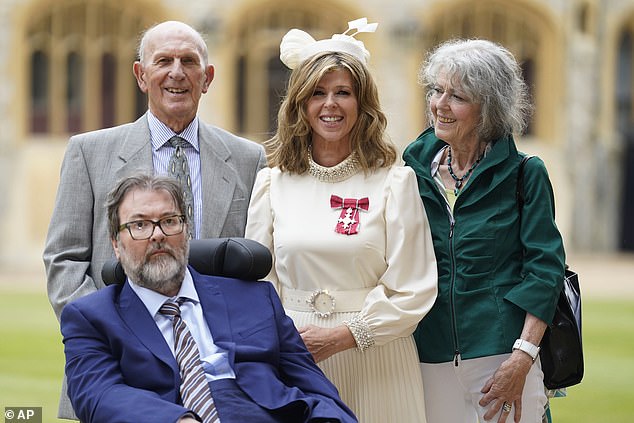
<point x="297" y="45"/>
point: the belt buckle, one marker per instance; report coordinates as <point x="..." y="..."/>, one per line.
<point x="322" y="303"/>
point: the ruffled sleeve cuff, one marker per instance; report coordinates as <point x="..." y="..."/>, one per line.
<point x="361" y="332"/>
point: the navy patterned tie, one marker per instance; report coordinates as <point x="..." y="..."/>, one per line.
<point x="179" y="169"/>
<point x="194" y="387"/>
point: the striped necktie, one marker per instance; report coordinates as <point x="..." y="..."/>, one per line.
<point x="194" y="387"/>
<point x="179" y="169"/>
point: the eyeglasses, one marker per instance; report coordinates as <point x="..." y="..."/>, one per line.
<point x="143" y="229"/>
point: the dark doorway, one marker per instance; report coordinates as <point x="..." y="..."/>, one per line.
<point x="625" y="123"/>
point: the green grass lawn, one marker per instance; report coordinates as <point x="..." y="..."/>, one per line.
<point x="31" y="353"/>
<point x="31" y="360"/>
<point x="606" y="393"/>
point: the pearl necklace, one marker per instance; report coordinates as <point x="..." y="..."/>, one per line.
<point x="337" y="173"/>
<point x="463" y="177"/>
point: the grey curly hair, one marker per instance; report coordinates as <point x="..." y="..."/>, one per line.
<point x="490" y="75"/>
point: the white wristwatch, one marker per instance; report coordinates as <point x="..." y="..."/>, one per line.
<point x="527" y="347"/>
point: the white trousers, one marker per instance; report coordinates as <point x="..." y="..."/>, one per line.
<point x="452" y="392"/>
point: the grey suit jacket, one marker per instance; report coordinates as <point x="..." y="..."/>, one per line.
<point x="78" y="243"/>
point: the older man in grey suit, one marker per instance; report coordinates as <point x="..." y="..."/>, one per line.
<point x="173" y="70"/>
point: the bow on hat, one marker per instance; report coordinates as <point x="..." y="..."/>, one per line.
<point x="297" y="45"/>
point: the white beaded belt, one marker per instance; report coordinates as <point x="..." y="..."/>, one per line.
<point x="324" y="302"/>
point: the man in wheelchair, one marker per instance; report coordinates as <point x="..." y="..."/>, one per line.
<point x="165" y="342"/>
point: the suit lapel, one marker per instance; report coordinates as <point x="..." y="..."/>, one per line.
<point x="218" y="180"/>
<point x="135" y="315"/>
<point x="215" y="312"/>
<point x="135" y="153"/>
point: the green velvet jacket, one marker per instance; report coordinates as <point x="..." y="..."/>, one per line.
<point x="492" y="268"/>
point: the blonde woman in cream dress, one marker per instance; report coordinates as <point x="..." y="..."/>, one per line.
<point x="353" y="255"/>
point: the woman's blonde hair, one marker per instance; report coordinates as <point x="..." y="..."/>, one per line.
<point x="288" y="148"/>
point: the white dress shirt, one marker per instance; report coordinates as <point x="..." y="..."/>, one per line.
<point x="215" y="360"/>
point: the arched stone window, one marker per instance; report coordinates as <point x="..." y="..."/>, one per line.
<point x="261" y="77"/>
<point x="522" y="31"/>
<point x="74" y="92"/>
<point x="39" y="65"/>
<point x="79" y="57"/>
<point x="108" y="89"/>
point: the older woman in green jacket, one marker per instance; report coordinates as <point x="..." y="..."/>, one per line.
<point x="499" y="275"/>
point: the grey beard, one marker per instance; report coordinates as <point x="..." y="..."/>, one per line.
<point x="164" y="274"/>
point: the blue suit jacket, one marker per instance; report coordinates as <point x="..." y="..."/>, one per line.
<point x="120" y="369"/>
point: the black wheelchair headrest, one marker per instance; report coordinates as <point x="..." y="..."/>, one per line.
<point x="238" y="258"/>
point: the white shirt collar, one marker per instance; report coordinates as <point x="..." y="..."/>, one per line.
<point x="161" y="133"/>
<point x="154" y="300"/>
<point x="435" y="163"/>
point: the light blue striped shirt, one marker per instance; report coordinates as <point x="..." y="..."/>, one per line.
<point x="162" y="151"/>
<point x="215" y="360"/>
